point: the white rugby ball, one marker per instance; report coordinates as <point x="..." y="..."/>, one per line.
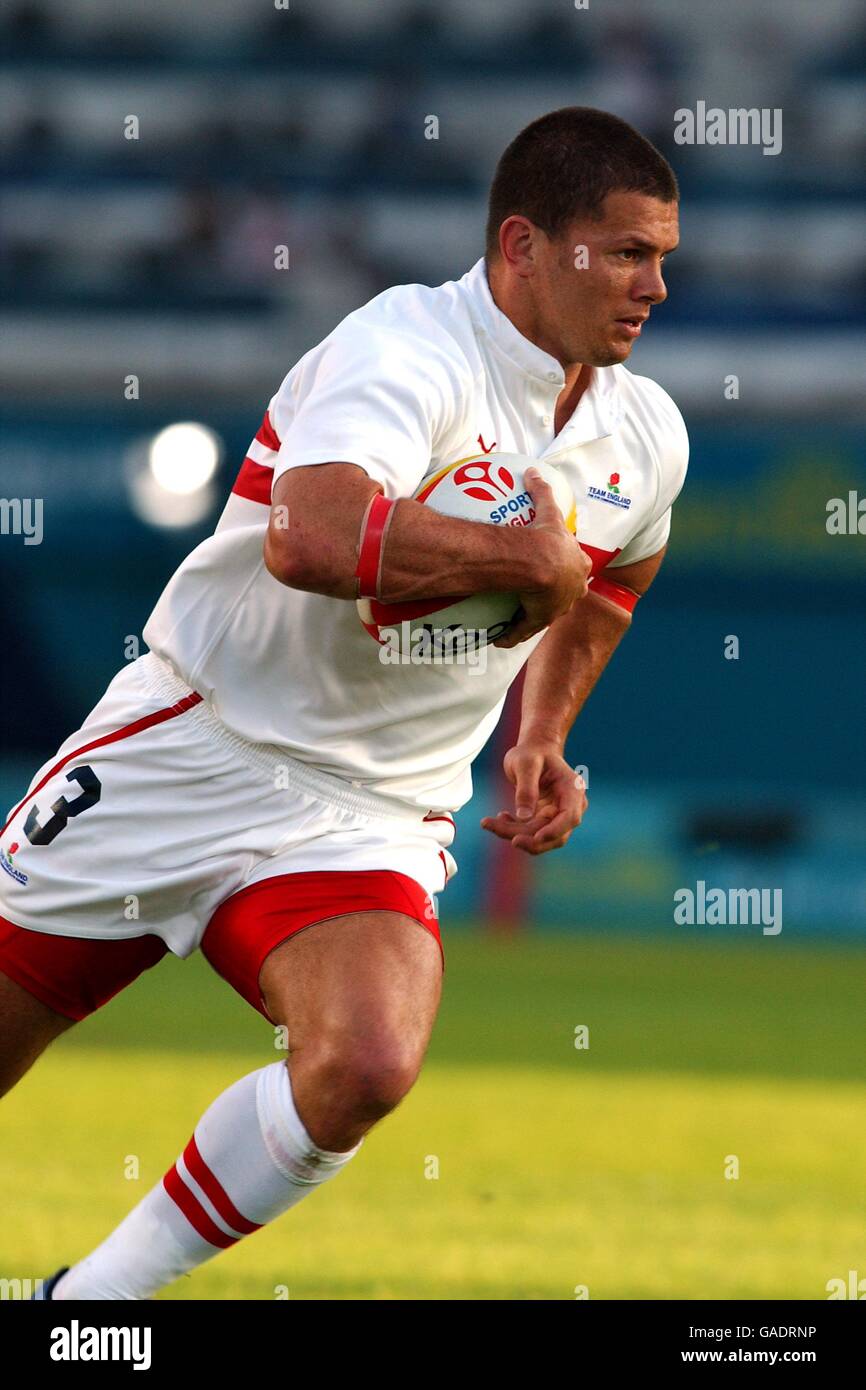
<point x="489" y="489"/>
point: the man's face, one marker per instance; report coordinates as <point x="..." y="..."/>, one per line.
<point x="596" y="284"/>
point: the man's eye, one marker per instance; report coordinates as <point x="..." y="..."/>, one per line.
<point x="630" y="253"/>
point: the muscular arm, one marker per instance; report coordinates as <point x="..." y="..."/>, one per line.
<point x="312" y="544"/>
<point x="563" y="669"/>
<point x="312" y="541"/>
<point x="574" y="651"/>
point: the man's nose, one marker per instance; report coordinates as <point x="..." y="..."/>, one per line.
<point x="651" y="286"/>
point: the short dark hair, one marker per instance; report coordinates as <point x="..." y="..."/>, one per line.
<point x="564" y="164"/>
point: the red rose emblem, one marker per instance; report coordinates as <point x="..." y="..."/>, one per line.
<point x="614" y="479"/>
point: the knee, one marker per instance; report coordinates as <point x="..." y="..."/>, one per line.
<point x="373" y="1073"/>
<point x="345" y="1084"/>
<point x="381" y="1078"/>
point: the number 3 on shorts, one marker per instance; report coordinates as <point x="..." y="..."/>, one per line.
<point x="91" y="792"/>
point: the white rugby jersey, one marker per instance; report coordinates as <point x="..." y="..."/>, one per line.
<point x="417" y="378"/>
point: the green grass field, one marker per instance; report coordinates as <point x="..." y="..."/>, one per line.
<point x="558" y="1167"/>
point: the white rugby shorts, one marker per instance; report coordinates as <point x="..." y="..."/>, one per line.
<point x="153" y="814"/>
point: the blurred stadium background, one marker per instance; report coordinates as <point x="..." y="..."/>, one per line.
<point x="153" y="257"/>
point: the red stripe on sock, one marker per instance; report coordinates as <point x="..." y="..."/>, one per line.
<point x="211" y="1185"/>
<point x="192" y="1209"/>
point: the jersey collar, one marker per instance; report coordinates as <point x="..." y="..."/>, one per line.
<point x="599" y="409"/>
<point x="487" y="316"/>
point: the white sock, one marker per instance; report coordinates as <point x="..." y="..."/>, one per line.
<point x="250" y="1158"/>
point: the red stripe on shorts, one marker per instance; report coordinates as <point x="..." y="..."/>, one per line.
<point x="213" y="1188"/>
<point x="440" y="815"/>
<point x="138" y="726"/>
<point x="194" y="1212"/>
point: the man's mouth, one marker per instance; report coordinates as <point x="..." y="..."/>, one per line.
<point x="633" y="325"/>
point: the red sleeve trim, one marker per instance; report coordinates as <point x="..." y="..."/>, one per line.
<point x="254" y="482"/>
<point x="370" y="549"/>
<point x="614" y="593"/>
<point x="267" y="435"/>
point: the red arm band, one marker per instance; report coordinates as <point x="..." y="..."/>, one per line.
<point x="373" y="528"/>
<point x="614" y="593"/>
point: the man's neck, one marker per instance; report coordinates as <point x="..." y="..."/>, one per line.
<point x="517" y="308"/>
<point x="570" y="395"/>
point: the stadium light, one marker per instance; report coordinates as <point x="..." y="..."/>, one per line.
<point x="184" y="457"/>
<point x="171" y="476"/>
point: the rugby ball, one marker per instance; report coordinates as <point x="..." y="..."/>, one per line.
<point x="489" y="489"/>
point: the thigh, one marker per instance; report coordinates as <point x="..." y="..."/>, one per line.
<point x="254" y="927"/>
<point x="362" y="975"/>
<point x="27" y="1026"/>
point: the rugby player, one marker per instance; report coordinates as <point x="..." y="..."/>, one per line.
<point x="260" y="785"/>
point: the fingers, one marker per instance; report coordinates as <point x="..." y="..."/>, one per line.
<point x="543" y="499"/>
<point x="540" y="835"/>
<point x="554" y="834"/>
<point x="534" y="847"/>
<point x="547" y="510"/>
<point x="522" y="629"/>
<point x="505" y="826"/>
<point x="567" y="568"/>
<point x="534" y="837"/>
<point x="525" y="772"/>
<point x="514" y="639"/>
<point x="586" y="563"/>
<point x="551" y="826"/>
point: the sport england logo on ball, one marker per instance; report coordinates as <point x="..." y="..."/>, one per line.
<point x="489" y="489"/>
